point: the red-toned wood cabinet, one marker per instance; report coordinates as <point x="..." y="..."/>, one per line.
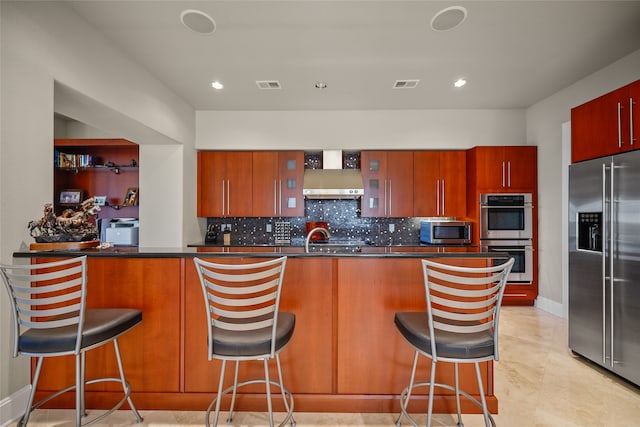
<point x="606" y="125"/>
<point x="439" y="183"/>
<point x="277" y="183"/>
<point x="97" y="167"/>
<point x="225" y="181"/>
<point x="388" y="183"/>
<point x="503" y="168"/>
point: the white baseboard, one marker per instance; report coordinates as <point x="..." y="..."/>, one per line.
<point x="12" y="407"/>
<point x="550" y="306"/>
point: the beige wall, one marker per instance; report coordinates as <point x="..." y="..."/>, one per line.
<point x="47" y="49"/>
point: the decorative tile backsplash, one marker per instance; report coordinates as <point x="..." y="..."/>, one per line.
<point x="345" y="224"/>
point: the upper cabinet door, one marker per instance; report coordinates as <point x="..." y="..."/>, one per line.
<point x="265" y="183"/>
<point x="224" y="184"/>
<point x="504" y="169"/>
<point x="388" y="183"/>
<point x="440" y="183"/>
<point x="606" y="125"/>
<point x="290" y="200"/>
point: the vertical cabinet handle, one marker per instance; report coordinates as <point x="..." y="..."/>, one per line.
<point x="619" y="125"/>
<point x="503" y="181"/>
<point x="275" y="198"/>
<point x="223" y="197"/>
<point x="389" y="197"/>
<point x="280" y="196"/>
<point x="631" y="138"/>
<point x="509" y="174"/>
<point x="384" y="197"/>
<point x="442" y="195"/>
<point x="437" y="197"/>
<point x="228" y="197"/>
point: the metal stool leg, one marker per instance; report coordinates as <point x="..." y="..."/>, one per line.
<point x="233" y="395"/>
<point x="284" y="394"/>
<point x="25" y="418"/>
<point x="218" y="398"/>
<point x="485" y="412"/>
<point x="457" y="384"/>
<point x="125" y="385"/>
<point x="268" y="389"/>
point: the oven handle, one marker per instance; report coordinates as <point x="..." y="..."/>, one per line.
<point x="509" y="249"/>
<point x="525" y="206"/>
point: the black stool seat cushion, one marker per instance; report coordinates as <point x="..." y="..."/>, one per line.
<point x="414" y="326"/>
<point x="256" y="342"/>
<point x="100" y="325"/>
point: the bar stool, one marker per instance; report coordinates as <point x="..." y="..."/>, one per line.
<point x="244" y="323"/>
<point x="50" y="319"/>
<point x="459" y="326"/>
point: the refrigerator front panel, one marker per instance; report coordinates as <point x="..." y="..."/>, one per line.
<point x="587" y="300"/>
<point x="625" y="252"/>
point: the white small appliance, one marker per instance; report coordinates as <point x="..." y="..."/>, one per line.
<point x="122" y="231"/>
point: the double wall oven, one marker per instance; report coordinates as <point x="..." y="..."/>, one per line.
<point x="506" y="226"/>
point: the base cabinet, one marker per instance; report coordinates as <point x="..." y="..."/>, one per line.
<point x="345" y="354"/>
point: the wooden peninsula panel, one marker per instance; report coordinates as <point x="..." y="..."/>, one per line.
<point x="307" y="363"/>
<point x="150" y="352"/>
<point x="373" y="359"/>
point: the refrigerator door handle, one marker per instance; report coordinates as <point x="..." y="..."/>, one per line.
<point x="611" y="271"/>
<point x="604" y="264"/>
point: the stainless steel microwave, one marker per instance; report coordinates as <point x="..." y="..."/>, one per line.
<point x="506" y="216"/>
<point x="439" y="232"/>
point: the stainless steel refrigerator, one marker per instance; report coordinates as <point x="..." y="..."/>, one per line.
<point x="604" y="262"/>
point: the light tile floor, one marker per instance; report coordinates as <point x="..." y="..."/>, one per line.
<point x="538" y="381"/>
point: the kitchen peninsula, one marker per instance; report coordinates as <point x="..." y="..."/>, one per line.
<point x="345" y="355"/>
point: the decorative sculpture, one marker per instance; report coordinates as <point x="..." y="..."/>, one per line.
<point x="70" y="226"/>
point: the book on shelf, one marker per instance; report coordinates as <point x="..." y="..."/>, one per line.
<point x="73" y="161"/>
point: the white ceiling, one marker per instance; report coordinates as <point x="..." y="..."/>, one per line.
<point x="513" y="53"/>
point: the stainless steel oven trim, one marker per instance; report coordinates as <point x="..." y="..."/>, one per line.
<point x="527" y="206"/>
<point x="513" y="246"/>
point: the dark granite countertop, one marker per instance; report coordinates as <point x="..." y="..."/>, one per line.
<point x="259" y="251"/>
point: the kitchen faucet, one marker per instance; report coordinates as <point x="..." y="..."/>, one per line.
<point x="310" y="233"/>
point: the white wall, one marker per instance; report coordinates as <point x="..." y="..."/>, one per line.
<point x="544" y="129"/>
<point x="407" y="129"/>
<point x="45" y="46"/>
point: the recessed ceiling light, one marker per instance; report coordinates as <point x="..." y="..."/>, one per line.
<point x="217" y="85"/>
<point x="197" y="21"/>
<point x="321" y="85"/>
<point x="448" y="18"/>
<point x="460" y="83"/>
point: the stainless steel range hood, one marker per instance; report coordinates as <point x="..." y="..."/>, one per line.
<point x="332" y="182"/>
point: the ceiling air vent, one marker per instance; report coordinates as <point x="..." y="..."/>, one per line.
<point x="268" y="84"/>
<point x="405" y="84"/>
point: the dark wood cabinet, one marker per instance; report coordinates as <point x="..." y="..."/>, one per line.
<point x="111" y="171"/>
<point x="225" y="180"/>
<point x="439" y="183"/>
<point x="503" y="168"/>
<point x="606" y="125"/>
<point x="277" y="183"/>
<point x="388" y="183"/>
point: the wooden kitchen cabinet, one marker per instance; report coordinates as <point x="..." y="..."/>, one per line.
<point x="225" y="182"/>
<point x="606" y="125"/>
<point x="440" y="181"/>
<point x="502" y="169"/>
<point x="111" y="171"/>
<point x="277" y="183"/>
<point x="388" y="183"/>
